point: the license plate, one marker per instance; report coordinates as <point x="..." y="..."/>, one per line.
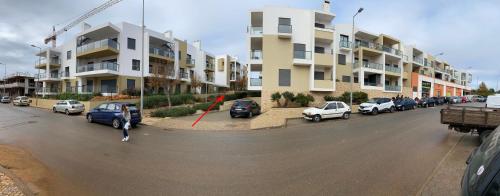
<point x="238" y="109"/>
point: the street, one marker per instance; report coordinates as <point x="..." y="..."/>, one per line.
<point x="388" y="154"/>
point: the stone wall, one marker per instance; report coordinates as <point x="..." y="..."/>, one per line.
<point x="275" y="117"/>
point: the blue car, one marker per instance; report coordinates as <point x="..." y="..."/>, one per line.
<point x="110" y="113"/>
<point x="405" y="104"/>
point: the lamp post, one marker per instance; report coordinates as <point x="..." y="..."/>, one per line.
<point x="38" y="76"/>
<point x="352" y="55"/>
<point x="4" y="77"/>
<point x="142" y="63"/>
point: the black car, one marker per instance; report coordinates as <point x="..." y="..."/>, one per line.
<point x="244" y="107"/>
<point x="426" y="102"/>
<point x="439" y="100"/>
<point x="482" y="174"/>
<point x="405" y="104"/>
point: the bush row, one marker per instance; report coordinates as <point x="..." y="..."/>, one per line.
<point x="301" y="99"/>
<point x="357" y="97"/>
<point x="161" y="100"/>
<point x="173" y="112"/>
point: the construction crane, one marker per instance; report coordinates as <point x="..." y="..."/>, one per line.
<point x="52" y="38"/>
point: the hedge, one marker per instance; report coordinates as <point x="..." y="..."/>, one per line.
<point x="204" y="106"/>
<point x="357" y="97"/>
<point x="173" y="112"/>
<point x="161" y="100"/>
<point x="73" y="96"/>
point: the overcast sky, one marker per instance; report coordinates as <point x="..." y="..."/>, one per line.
<point x="464" y="30"/>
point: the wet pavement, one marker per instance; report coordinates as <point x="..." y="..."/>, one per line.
<point x="388" y="154"/>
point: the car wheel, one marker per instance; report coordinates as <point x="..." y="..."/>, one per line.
<point x="54" y="110"/>
<point x="89" y="118"/>
<point x="116" y="123"/>
<point x="403" y="108"/>
<point x="66" y="112"/>
<point x="346" y="115"/>
<point x="375" y="111"/>
<point x="232" y="116"/>
<point x="250" y="115"/>
<point x="413" y="107"/>
<point x="391" y="110"/>
<point x="317" y="118"/>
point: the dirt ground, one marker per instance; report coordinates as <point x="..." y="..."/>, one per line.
<point x="33" y="173"/>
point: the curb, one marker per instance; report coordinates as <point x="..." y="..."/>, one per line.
<point x="18" y="182"/>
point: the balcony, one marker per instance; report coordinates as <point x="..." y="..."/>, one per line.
<point x="302" y="57"/>
<point x="323" y="34"/>
<point x="190" y="62"/>
<point x="369" y="45"/>
<point x="47" y="91"/>
<point x="345" y="45"/>
<point x="391" y="50"/>
<point x="161" y="54"/>
<point x="183" y="75"/>
<point x="53" y="63"/>
<point x="392" y="69"/>
<point x="255" y="81"/>
<point x="210" y="79"/>
<point x="323" y="59"/>
<point x="369" y="65"/>
<point x="372" y="84"/>
<point x="392" y="88"/>
<point x="419" y="61"/>
<point x="255" y="31"/>
<point x="44" y="77"/>
<point x="285" y="31"/>
<point x="97" y="69"/>
<point x="64" y="74"/>
<point x="102" y="48"/>
<point x="256" y="55"/>
<point x="210" y="66"/>
<point x="323" y="84"/>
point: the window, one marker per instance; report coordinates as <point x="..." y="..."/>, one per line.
<point x="284" y="77"/>
<point x="344" y="38"/>
<point x="131" y="43"/>
<point x="341" y="59"/>
<point x="130" y="84"/>
<point x="150" y="68"/>
<point x="346" y="78"/>
<point x="320" y="50"/>
<point x="136" y="65"/>
<point x="68" y="55"/>
<point x="299" y="47"/>
<point x="319" y="75"/>
<point x="90" y="86"/>
<point x="284" y="21"/>
<point x="103" y="106"/>
<point x="356" y="79"/>
<point x="180" y="54"/>
<point x="340" y="106"/>
<point x="331" y="106"/>
<point x="111" y="106"/>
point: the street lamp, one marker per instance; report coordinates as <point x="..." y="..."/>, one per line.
<point x="38" y="75"/>
<point x="352" y="55"/>
<point x="142" y="63"/>
<point x="4" y="77"/>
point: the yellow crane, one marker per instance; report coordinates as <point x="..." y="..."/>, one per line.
<point x="52" y="37"/>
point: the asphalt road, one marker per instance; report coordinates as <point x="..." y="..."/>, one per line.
<point x="388" y="154"/>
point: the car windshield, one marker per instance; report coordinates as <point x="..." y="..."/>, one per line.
<point x="241" y="103"/>
<point x="322" y="106"/>
<point x="74" y="102"/>
<point x="5" y="97"/>
<point x="24" y="98"/>
<point x="131" y="106"/>
<point x="374" y="100"/>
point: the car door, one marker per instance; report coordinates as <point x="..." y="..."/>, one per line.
<point x="341" y="109"/>
<point x="98" y="114"/>
<point x="109" y="113"/>
<point x="330" y="110"/>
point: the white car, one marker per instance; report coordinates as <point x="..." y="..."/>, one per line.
<point x="330" y="109"/>
<point x="69" y="107"/>
<point x="493" y="101"/>
<point x="376" y="105"/>
<point x="21" y="101"/>
<point x="5" y="99"/>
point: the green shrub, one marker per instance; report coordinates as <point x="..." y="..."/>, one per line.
<point x="289" y="96"/>
<point x="173" y="112"/>
<point x="204" y="106"/>
<point x="330" y="98"/>
<point x="276" y="97"/>
<point x="230" y="97"/>
<point x="79" y="97"/>
<point x="156" y="101"/>
<point x="303" y="100"/>
<point x="132" y="92"/>
<point x="241" y="95"/>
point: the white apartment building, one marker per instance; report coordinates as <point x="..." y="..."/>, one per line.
<point x="106" y="59"/>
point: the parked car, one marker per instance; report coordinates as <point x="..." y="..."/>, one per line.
<point x="405" y="104"/>
<point x="330" y="109"/>
<point x="68" y="107"/>
<point x="482" y="176"/>
<point x="439" y="100"/>
<point x="244" y="107"/>
<point x="493" y="101"/>
<point x="426" y="102"/>
<point x="110" y="114"/>
<point x="376" y="105"/>
<point x="455" y="100"/>
<point x="478" y="98"/>
<point x="464" y="100"/>
<point x="5" y="99"/>
<point x="21" y="101"/>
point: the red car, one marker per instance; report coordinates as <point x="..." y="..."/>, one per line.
<point x="464" y="99"/>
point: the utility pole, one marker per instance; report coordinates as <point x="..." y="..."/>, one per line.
<point x="352" y="56"/>
<point x="142" y="63"/>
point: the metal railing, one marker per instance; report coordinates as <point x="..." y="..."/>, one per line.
<point x="418" y="60"/>
<point x="255" y="30"/>
<point x="64" y="74"/>
<point x="428" y="63"/>
<point x="367" y="44"/>
<point x="372" y="84"/>
<point x="161" y="52"/>
<point x="97" y="66"/>
<point x="190" y="61"/>
<point x="370" y="65"/>
<point x="392" y="69"/>
<point x="284" y="28"/>
<point x="256" y="54"/>
<point x="302" y="55"/>
<point x="255" y="82"/>
<point x="391" y="50"/>
<point x="345" y="44"/>
<point x="210" y="79"/>
<point x="183" y="75"/>
<point x="210" y="65"/>
<point x="98" y="44"/>
<point x="50" y="76"/>
<point x="52" y="61"/>
<point x="392" y="88"/>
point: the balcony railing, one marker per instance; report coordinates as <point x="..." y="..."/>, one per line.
<point x="162" y="52"/>
<point x="370" y="65"/>
<point x="183" y="75"/>
<point x="302" y="55"/>
<point x="210" y="66"/>
<point x="418" y="60"/>
<point x="64" y="74"/>
<point x="190" y="61"/>
<point x="345" y="44"/>
<point x="391" y="50"/>
<point x="97" y="67"/>
<point x="428" y="63"/>
<point x="52" y="61"/>
<point x="44" y="76"/>
<point x="255" y="82"/>
<point x="284" y="28"/>
<point x="255" y="30"/>
<point x="392" y="69"/>
<point x="367" y="44"/>
<point x="372" y="84"/>
<point x="392" y="88"/>
<point x="96" y="45"/>
<point x="256" y="55"/>
<point x="210" y="79"/>
<point x="47" y="90"/>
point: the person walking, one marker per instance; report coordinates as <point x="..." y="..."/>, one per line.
<point x="125" y="122"/>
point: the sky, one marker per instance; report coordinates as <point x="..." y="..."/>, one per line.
<point x="464" y="30"/>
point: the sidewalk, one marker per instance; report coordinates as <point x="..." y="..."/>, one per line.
<point x="10" y="187"/>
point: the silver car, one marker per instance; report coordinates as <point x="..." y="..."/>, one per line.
<point x="69" y="107"/>
<point x="21" y="101"/>
<point x="5" y="99"/>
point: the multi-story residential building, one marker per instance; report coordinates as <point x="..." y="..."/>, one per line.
<point x="300" y="50"/>
<point x="106" y="59"/>
<point x="18" y="84"/>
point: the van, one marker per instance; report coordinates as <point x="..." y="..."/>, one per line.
<point x="493" y="101"/>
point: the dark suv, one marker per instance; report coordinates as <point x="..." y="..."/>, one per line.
<point x="244" y="107"/>
<point x="426" y="102"/>
<point x="482" y="174"/>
